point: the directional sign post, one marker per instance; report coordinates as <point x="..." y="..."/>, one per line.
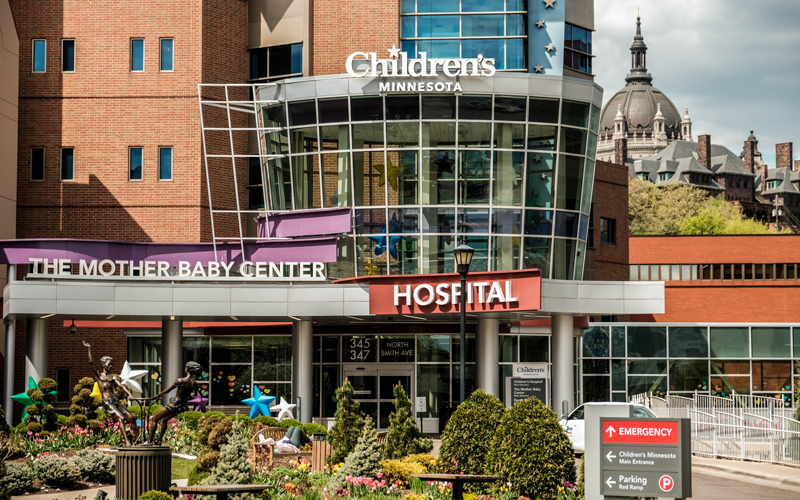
<point x="646" y="457"/>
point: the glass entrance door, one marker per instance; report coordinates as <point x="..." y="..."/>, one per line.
<point x="374" y="388"/>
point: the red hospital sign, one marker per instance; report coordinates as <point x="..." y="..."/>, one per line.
<point x="640" y="432"/>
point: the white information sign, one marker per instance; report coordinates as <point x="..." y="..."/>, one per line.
<point x="529" y="370"/>
<point x="422" y="404"/>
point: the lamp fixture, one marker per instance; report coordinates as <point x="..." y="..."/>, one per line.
<point x="72" y="328"/>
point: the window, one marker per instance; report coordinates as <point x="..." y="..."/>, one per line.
<point x="68" y="56"/>
<point x="578" y="45"/>
<point x="166" y="54"/>
<point x="62" y="379"/>
<point x="137" y="54"/>
<point x="37" y="164"/>
<point x="255" y="188"/>
<point x="67" y="164"/>
<point x="39" y="55"/>
<point x="664" y="176"/>
<point x="283" y="61"/>
<point x="165" y="163"/>
<point x="135" y="163"/>
<point x="608" y="230"/>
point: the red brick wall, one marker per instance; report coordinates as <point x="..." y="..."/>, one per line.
<point x="783" y="153"/>
<point x="745" y="249"/>
<point x="610" y="200"/>
<point x="341" y="27"/>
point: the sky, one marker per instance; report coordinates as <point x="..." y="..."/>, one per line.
<point x="734" y="63"/>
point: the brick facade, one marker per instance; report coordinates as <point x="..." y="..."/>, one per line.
<point x="341" y="27"/>
<point x="783" y="155"/>
<point x="620" y="151"/>
<point x="610" y="200"/>
<point x="101" y="110"/>
<point x="704" y="150"/>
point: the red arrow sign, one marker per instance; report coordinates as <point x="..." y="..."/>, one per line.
<point x="642" y="432"/>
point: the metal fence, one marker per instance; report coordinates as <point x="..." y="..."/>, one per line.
<point x="740" y="427"/>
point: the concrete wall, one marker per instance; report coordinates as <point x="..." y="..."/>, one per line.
<point x="581" y="13"/>
<point x="281" y="22"/>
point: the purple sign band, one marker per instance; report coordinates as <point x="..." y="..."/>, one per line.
<point x="301" y="250"/>
<point x="306" y="223"/>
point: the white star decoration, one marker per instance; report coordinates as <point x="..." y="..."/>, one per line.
<point x="129" y="377"/>
<point x="537" y="158"/>
<point x="538" y="68"/>
<point x="550" y="47"/>
<point x="549" y="3"/>
<point x="284" y="410"/>
<point x="540" y="24"/>
<point x="394" y="52"/>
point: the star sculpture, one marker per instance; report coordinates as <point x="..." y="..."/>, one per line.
<point x="544" y="176"/>
<point x="540" y="24"/>
<point x="259" y="404"/>
<point x="284" y="410"/>
<point x="129" y="377"/>
<point x="23" y="398"/>
<point x="393" y="174"/>
<point x="380" y="247"/>
<point x="200" y="402"/>
<point x="394" y="52"/>
<point x="550" y="47"/>
<point x="549" y="3"/>
<point x="370" y="268"/>
<point x="537" y="158"/>
<point x="538" y="68"/>
<point x="96" y="392"/>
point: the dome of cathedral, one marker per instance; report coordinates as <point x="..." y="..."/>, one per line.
<point x="639" y="100"/>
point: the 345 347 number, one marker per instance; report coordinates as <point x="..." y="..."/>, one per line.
<point x="360" y="349"/>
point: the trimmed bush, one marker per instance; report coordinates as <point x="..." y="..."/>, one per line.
<point x="18" y="478"/>
<point x="155" y="495"/>
<point x="531" y="450"/>
<point x="56" y="471"/>
<point x="191" y="417"/>
<point x="95" y="466"/>
<point x="134" y="409"/>
<point x="207" y="461"/>
<point x="41" y="414"/>
<point x="196" y="478"/>
<point x="404" y="437"/>
<point x="219" y="435"/>
<point x="312" y="428"/>
<point x="346" y="430"/>
<point x="205" y="431"/>
<point x="399" y="470"/>
<point x="365" y="461"/>
<point x="468" y="434"/>
<point x="267" y="420"/>
<point x="290" y="422"/>
<point x="243" y="418"/>
<point x="84" y="406"/>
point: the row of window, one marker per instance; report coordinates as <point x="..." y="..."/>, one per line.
<point x="135" y="163"/>
<point x="578" y="48"/>
<point x="282" y="61"/>
<point x="137" y="45"/>
<point x="716" y="272"/>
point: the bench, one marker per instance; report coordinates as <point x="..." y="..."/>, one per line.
<point x="458" y="481"/>
<point x="221" y="491"/>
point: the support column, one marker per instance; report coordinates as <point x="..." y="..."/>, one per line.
<point x="303" y="369"/>
<point x="172" y="354"/>
<point x="10" y="345"/>
<point x="37" y="350"/>
<point x="563" y="383"/>
<point x="487" y="355"/>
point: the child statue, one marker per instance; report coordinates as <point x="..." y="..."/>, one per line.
<point x="107" y="382"/>
<point x="187" y="389"/>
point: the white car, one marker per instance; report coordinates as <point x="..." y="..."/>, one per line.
<point x="576" y="429"/>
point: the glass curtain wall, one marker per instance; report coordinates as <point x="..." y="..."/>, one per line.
<point x="619" y="361"/>
<point x="510" y="176"/>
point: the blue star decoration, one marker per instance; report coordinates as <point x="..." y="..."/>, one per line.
<point x="259" y="404"/>
<point x="380" y="247"/>
<point x="26" y="400"/>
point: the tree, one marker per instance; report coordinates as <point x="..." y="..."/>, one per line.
<point x="404" y="437"/>
<point x="365" y="461"/>
<point x="463" y="449"/>
<point x="84" y="406"/>
<point x="706" y="222"/>
<point x="41" y="414"/>
<point x="349" y="421"/>
<point x="654" y="209"/>
<point x="232" y="467"/>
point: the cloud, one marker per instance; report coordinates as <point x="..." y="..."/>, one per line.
<point x="734" y="64"/>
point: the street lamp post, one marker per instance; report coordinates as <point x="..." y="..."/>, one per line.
<point x="463" y="256"/>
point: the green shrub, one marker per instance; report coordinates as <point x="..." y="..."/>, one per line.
<point x="136" y="411"/>
<point x="56" y="471"/>
<point x="468" y="434"/>
<point x="580" y="487"/>
<point x="18" y="478"/>
<point x="265" y="495"/>
<point x="365" y="460"/>
<point x="219" y="435"/>
<point x="95" y="466"/>
<point x="425" y="459"/>
<point x="267" y="420"/>
<point x="191" y="417"/>
<point x="290" y="422"/>
<point x="232" y="467"/>
<point x="400" y="469"/>
<point x="349" y="422"/>
<point x="215" y="413"/>
<point x="196" y="477"/>
<point x="531" y="450"/>
<point x="404" y="437"/>
<point x="207" y="461"/>
<point x="155" y="495"/>
<point x="312" y="428"/>
<point x="208" y="427"/>
<point x="243" y="418"/>
<point x="319" y="480"/>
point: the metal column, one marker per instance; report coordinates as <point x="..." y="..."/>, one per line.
<point x="171" y="354"/>
<point x="563" y="367"/>
<point x="37" y="349"/>
<point x="303" y="369"/>
<point x="487" y="355"/>
<point x="8" y="369"/>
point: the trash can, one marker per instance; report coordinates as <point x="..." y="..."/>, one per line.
<point x="143" y="468"/>
<point x="446" y="409"/>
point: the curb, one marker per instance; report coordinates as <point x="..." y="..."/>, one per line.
<point x="739" y="472"/>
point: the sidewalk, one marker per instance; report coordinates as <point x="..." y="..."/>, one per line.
<point x="768" y="473"/>
<point x="87" y="494"/>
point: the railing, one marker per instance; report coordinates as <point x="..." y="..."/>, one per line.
<point x="740" y="427"/>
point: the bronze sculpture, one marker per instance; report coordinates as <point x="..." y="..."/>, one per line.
<point x="187" y="388"/>
<point x="107" y="382"/>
